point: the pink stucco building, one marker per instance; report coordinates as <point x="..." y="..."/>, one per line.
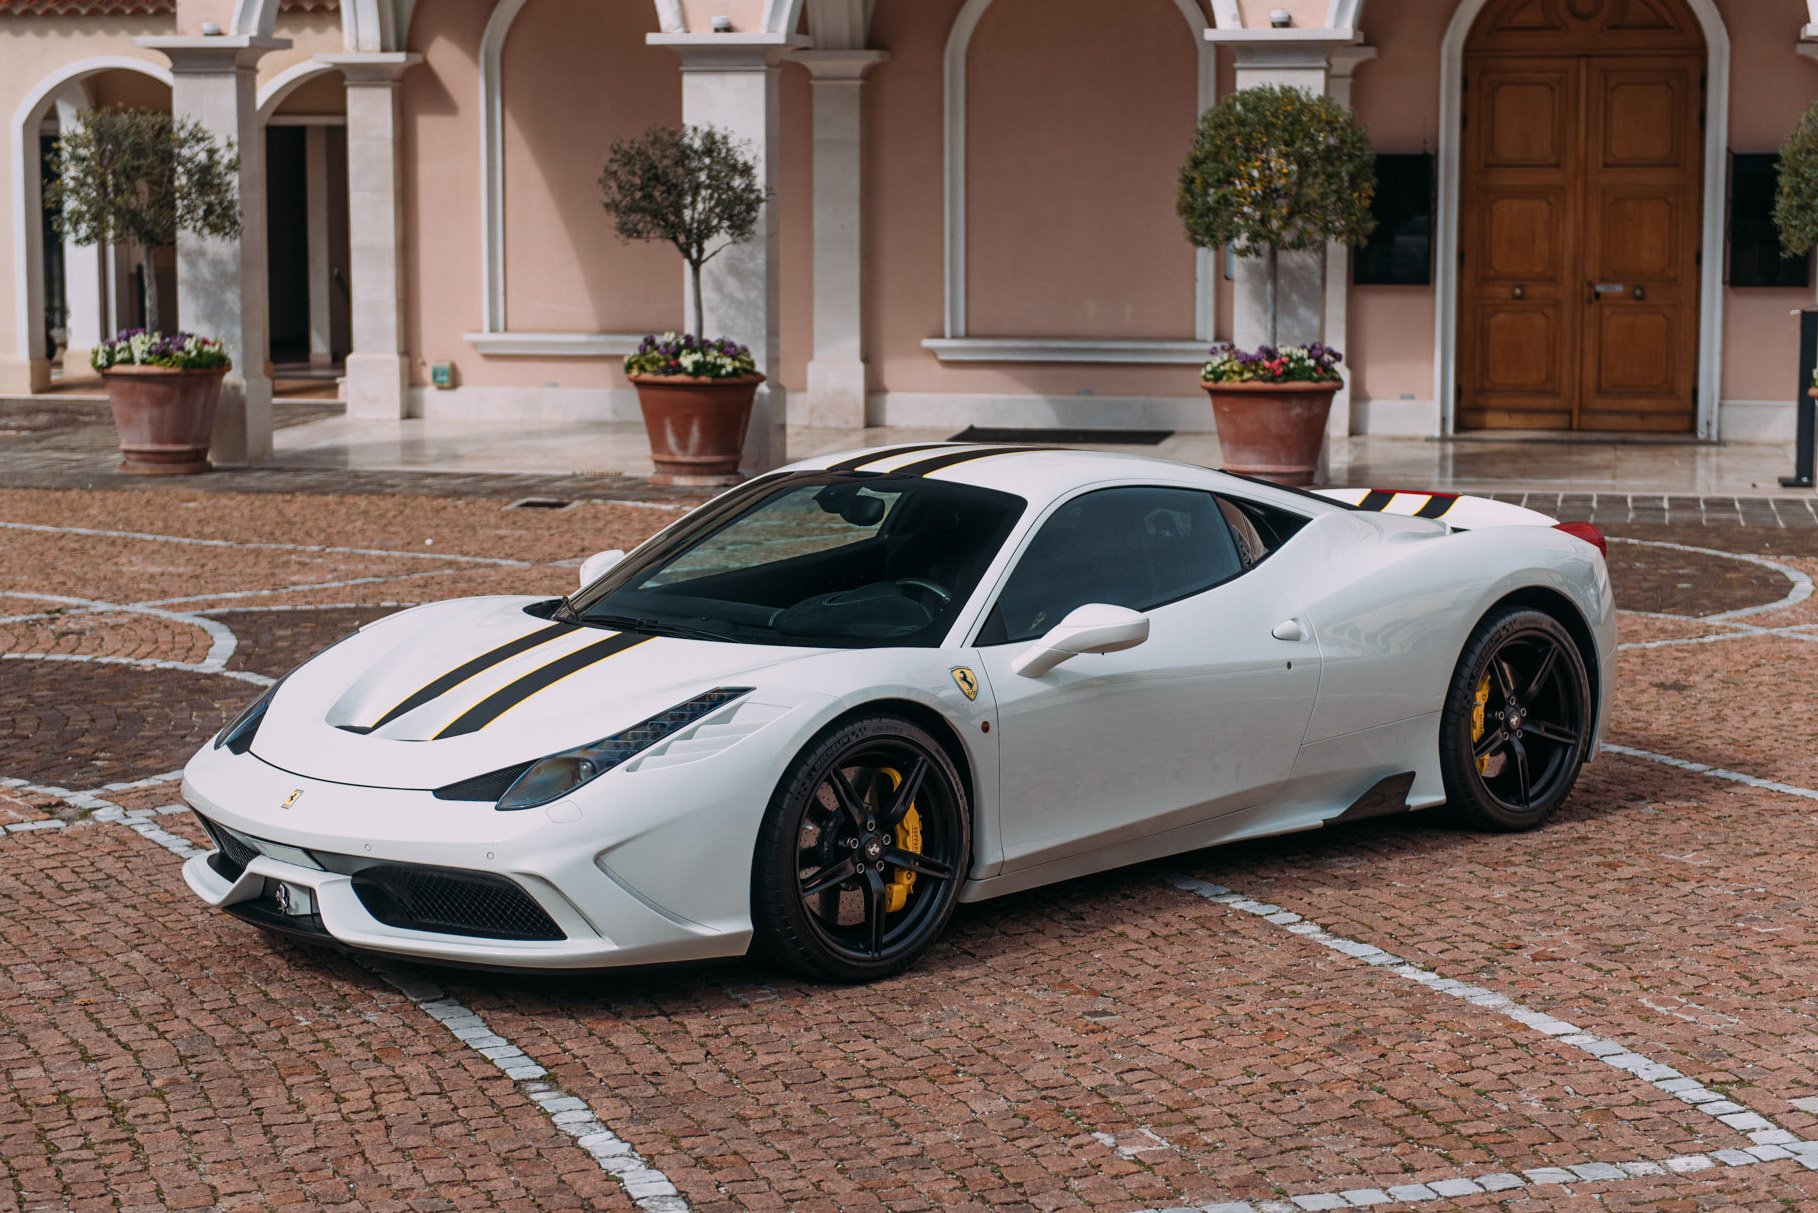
<point x="973" y="210"/>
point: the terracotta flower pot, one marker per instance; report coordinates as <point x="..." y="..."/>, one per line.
<point x="165" y="417"/>
<point x="1272" y="430"/>
<point x="696" y="426"/>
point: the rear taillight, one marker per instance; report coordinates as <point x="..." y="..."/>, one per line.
<point x="1586" y="532"/>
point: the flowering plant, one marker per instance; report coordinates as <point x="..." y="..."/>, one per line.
<point x="1295" y="364"/>
<point x="686" y="354"/>
<point x="179" y="351"/>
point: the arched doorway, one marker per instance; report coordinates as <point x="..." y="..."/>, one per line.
<point x="1580" y="220"/>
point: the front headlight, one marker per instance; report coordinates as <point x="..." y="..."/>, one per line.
<point x="553" y="777"/>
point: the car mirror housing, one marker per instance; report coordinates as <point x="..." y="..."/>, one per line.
<point x="596" y="565"/>
<point x="1097" y="627"/>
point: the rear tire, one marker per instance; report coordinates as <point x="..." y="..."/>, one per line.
<point x="1516" y="722"/>
<point x="861" y="853"/>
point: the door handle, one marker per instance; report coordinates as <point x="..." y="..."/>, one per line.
<point x="1599" y="289"/>
<point x="1640" y="291"/>
<point x="1288" y="629"/>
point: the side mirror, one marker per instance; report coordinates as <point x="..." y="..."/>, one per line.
<point x="596" y="565"/>
<point x="1097" y="627"/>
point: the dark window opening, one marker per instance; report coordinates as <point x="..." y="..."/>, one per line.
<point x="1755" y="254"/>
<point x="1400" y="250"/>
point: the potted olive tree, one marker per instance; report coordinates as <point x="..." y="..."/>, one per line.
<point x="693" y="187"/>
<point x="1275" y="169"/>
<point x="143" y="176"/>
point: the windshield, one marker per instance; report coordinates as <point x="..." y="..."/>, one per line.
<point x="817" y="559"/>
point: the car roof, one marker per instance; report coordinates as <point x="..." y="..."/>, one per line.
<point x="1044" y="473"/>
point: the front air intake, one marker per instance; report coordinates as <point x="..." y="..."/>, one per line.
<point x="451" y="901"/>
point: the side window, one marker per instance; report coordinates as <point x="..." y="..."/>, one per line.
<point x="1135" y="547"/>
<point x="1259" y="530"/>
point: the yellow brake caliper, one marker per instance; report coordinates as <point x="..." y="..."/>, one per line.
<point x="908" y="838"/>
<point x="1483" y="699"/>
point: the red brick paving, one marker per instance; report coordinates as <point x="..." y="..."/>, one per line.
<point x="161" y="1055"/>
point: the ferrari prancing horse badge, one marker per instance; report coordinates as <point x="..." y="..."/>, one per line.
<point x="291" y="799"/>
<point x="967" y="680"/>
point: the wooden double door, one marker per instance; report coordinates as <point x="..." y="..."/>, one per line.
<point x="1579" y="236"/>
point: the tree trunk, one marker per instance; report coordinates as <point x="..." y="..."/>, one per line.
<point x="1269" y="294"/>
<point x="700" y="329"/>
<point x="151" y="288"/>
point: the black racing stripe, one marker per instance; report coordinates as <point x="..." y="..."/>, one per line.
<point x="504" y="699"/>
<point x="859" y="461"/>
<point x="1376" y="501"/>
<point x="1436" y="506"/>
<point x="924" y="466"/>
<point x="461" y="673"/>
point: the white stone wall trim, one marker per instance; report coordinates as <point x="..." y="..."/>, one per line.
<point x="286" y="82"/>
<point x="554" y="345"/>
<point x="492" y="163"/>
<point x="27" y="202"/>
<point x="959" y="39"/>
<point x="1064" y="349"/>
<point x="1451" y="156"/>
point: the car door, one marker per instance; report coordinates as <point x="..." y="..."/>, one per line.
<point x="1204" y="718"/>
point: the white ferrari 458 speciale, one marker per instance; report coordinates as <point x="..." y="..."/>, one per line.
<point x="818" y="711"/>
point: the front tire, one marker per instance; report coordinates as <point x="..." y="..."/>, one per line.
<point x="1516" y="722"/>
<point x="861" y="853"/>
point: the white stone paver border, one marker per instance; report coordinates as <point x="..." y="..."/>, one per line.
<point x="1770" y="1139"/>
<point x="261" y="544"/>
<point x="1802" y="584"/>
<point x="648" y="1187"/>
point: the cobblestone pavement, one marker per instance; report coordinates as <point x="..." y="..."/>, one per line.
<point x="1616" y="1011"/>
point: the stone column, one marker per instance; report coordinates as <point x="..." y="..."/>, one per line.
<point x="730" y="81"/>
<point x="1297" y="57"/>
<point x="377" y="368"/>
<point x="836" y="372"/>
<point x="315" y="189"/>
<point x="222" y="285"/>
<point x="1345" y="62"/>
<point x="82" y="293"/>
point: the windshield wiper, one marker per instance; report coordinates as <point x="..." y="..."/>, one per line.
<point x="564" y="612"/>
<point x="655" y="627"/>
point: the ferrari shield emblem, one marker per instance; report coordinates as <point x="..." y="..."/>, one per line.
<point x="291" y="799"/>
<point x="967" y="680"/>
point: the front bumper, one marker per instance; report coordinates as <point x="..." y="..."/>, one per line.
<point x="626" y="874"/>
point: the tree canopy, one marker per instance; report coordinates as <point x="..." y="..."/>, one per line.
<point x="1275" y="167"/>
<point x="691" y="186"/>
<point x="1796" y="194"/>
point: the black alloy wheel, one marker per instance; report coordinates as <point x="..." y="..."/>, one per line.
<point x="862" y="852"/>
<point x="1517" y="721"/>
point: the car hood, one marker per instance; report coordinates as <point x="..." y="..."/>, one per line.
<point x="457" y="689"/>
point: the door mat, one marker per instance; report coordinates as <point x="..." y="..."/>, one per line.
<point x="981" y="433"/>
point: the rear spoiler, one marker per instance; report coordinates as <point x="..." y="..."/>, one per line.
<point x="1454" y="509"/>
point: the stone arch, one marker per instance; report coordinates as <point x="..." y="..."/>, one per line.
<point x="366" y="25"/>
<point x="286" y="82"/>
<point x="28" y="190"/>
<point x="959" y="40"/>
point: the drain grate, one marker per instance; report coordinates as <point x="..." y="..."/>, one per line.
<point x="540" y="503"/>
